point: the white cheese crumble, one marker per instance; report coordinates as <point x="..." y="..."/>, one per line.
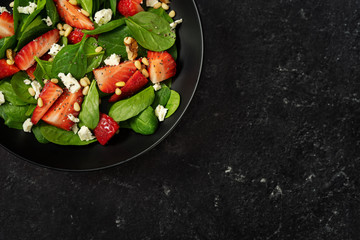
<point x="157" y="87"/>
<point x="174" y="24"/>
<point x="73" y="119"/>
<point x="37" y="88"/>
<point x="3" y="9"/>
<point x="160" y="112"/>
<point x="75" y="128"/>
<point x="103" y="16"/>
<point x="70" y="82"/>
<point x="48" y="21"/>
<point x="2" y="98"/>
<point x="55" y="49"/>
<point x="27" y="81"/>
<point x="27" y="125"/>
<point x="151" y="3"/>
<point x="113" y="60"/>
<point x="85" y="134"/>
<point x="28" y="9"/>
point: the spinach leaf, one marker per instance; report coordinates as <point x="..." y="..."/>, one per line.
<point x="51" y="11"/>
<point x="113" y="6"/>
<point x="21" y="89"/>
<point x="14" y="116"/>
<point x="43" y="70"/>
<point x="128" y="108"/>
<point x="6" y="43"/>
<point x="38" y="135"/>
<point x="63" y="41"/>
<point x="151" y="31"/>
<point x="28" y="18"/>
<point x="162" y="13"/>
<point x="90" y="115"/>
<point x="173" y="52"/>
<point x="87" y="5"/>
<point x="62" y="137"/>
<point x="173" y="103"/>
<point x="168" y="82"/>
<point x="106" y="27"/>
<point x="30" y="110"/>
<point x="9" y="94"/>
<point x="145" y="123"/>
<point x="94" y="59"/>
<point x="71" y="59"/>
<point x="162" y="96"/>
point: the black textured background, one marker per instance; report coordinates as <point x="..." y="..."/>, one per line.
<point x="269" y="148"/>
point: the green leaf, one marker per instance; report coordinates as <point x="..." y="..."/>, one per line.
<point x="30" y="110"/>
<point x="94" y="59"/>
<point x="6" y="43"/>
<point x="71" y="59"/>
<point x="62" y="137"/>
<point x="38" y="135"/>
<point x="21" y="89"/>
<point x="51" y="11"/>
<point x="113" y="5"/>
<point x="162" y="13"/>
<point x="28" y="18"/>
<point x="43" y="70"/>
<point x="173" y="52"/>
<point x="162" y="96"/>
<point x="128" y="108"/>
<point x="106" y="27"/>
<point x="145" y="123"/>
<point x="87" y="5"/>
<point x="90" y="114"/>
<point x="10" y="95"/>
<point x="173" y="103"/>
<point x="14" y="116"/>
<point x="151" y="31"/>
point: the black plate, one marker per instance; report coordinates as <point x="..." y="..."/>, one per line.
<point x="126" y="145"/>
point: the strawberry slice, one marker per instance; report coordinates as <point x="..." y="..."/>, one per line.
<point x="57" y="115"/>
<point x="132" y="86"/>
<point x="77" y="35"/>
<point x="72" y="15"/>
<point x="50" y="93"/>
<point x="30" y="71"/>
<point x="7" y="70"/>
<point x="6" y="25"/>
<point x="108" y="76"/>
<point x="38" y="47"/>
<point x="162" y="66"/>
<point x="105" y="129"/>
<point x="129" y="8"/>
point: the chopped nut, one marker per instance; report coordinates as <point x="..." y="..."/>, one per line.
<point x="157" y="5"/>
<point x="165" y="6"/>
<point x="131" y="48"/>
<point x="10" y="54"/>
<point x="172" y="13"/>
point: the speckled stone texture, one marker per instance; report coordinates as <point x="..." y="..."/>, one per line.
<point x="269" y="148"/>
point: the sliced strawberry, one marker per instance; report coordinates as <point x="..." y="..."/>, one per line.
<point x="58" y="114"/>
<point x="77" y="35"/>
<point x="162" y="66"/>
<point x="6" y="25"/>
<point x="72" y="15"/>
<point x="7" y="70"/>
<point x="108" y="76"/>
<point x="132" y="86"/>
<point x="50" y="93"/>
<point x="38" y="47"/>
<point x="129" y="8"/>
<point x="105" y="129"/>
<point x="30" y="71"/>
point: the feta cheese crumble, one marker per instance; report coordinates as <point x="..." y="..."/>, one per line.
<point x="55" y="49"/>
<point x="27" y="125"/>
<point x="37" y="88"/>
<point x="48" y="21"/>
<point x="75" y="128"/>
<point x="103" y="16"/>
<point x="28" y="9"/>
<point x="3" y="9"/>
<point x="113" y="60"/>
<point x="70" y="82"/>
<point x="160" y="112"/>
<point x="2" y="98"/>
<point x="174" y="24"/>
<point x="73" y="119"/>
<point x="151" y="3"/>
<point x="27" y="81"/>
<point x="85" y="134"/>
<point x="157" y="87"/>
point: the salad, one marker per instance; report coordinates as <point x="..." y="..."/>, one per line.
<point x="74" y="72"/>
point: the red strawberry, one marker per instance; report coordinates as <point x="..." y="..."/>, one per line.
<point x="38" y="47"/>
<point x="72" y="15"/>
<point x="77" y="35"/>
<point x="57" y="115"/>
<point x="7" y="70"/>
<point x="132" y="86"/>
<point x="162" y="66"/>
<point x="129" y="8"/>
<point x="50" y="93"/>
<point x="108" y="76"/>
<point x="105" y="129"/>
<point x="6" y="25"/>
<point x="30" y="71"/>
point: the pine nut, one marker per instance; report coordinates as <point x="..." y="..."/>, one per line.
<point x="83" y="83"/>
<point x="118" y="91"/>
<point x="157" y="5"/>
<point x="98" y="49"/>
<point x="10" y="62"/>
<point x="45" y="81"/>
<point x="66" y="26"/>
<point x="68" y="31"/>
<point x="85" y="90"/>
<point x="138" y="64"/>
<point x="73" y="2"/>
<point x="31" y="91"/>
<point x="128" y="40"/>
<point x="85" y="13"/>
<point x="9" y="54"/>
<point x="120" y="84"/>
<point x="11" y="4"/>
<point x="54" y="80"/>
<point x="62" y="33"/>
<point x="87" y="81"/>
<point x="145" y="61"/>
<point x="165" y="6"/>
<point x="145" y="73"/>
<point x="172" y="13"/>
<point x="60" y="27"/>
<point x="77" y="107"/>
<point x="40" y="102"/>
<point x="51" y="59"/>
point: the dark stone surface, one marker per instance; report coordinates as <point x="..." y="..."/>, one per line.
<point x="269" y="148"/>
